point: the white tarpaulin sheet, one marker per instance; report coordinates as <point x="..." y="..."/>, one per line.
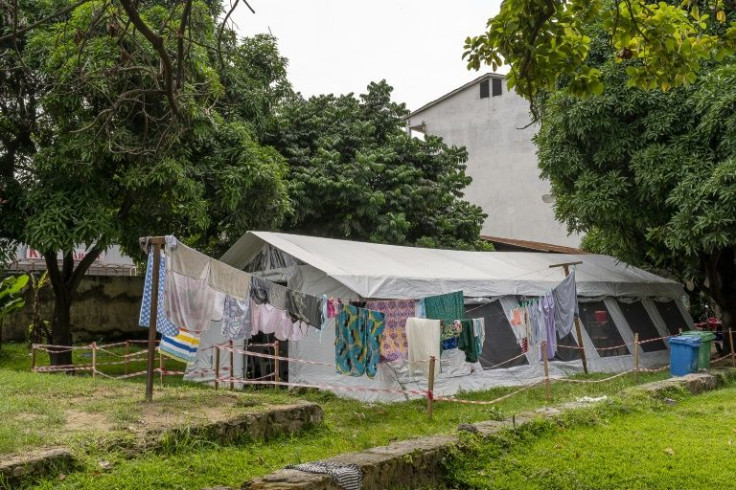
<point x="391" y="272"/>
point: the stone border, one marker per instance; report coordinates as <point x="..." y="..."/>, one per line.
<point x="281" y="420"/>
<point x="35" y="463"/>
<point x="417" y="463"/>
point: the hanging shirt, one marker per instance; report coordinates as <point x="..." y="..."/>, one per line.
<point x="164" y="326"/>
<point x="479" y="330"/>
<point x="566" y="305"/>
<point x="423" y="338"/>
<point x="445" y="306"/>
<point x="350" y="341"/>
<point x="229" y="280"/>
<point x="278" y="296"/>
<point x="299" y="330"/>
<point x="467" y="343"/>
<point x="189" y="302"/>
<point x="304" y="307"/>
<point x="267" y="318"/>
<point x="548" y="312"/>
<point x="393" y="340"/>
<point x="374" y="322"/>
<point x="236" y="318"/>
<point x="536" y="323"/>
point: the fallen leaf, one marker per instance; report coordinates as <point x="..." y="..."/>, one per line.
<point x="670" y="451"/>
<point x="105" y="465"/>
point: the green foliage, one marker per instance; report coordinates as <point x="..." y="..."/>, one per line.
<point x="11" y="300"/>
<point x="101" y="143"/>
<point x="649" y="175"/>
<point x="548" y="41"/>
<point x="355" y="173"/>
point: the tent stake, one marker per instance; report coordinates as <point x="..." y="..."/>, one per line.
<point x="430" y="386"/>
<point x="546" y="368"/>
<point x="636" y="358"/>
<point x="566" y="268"/>
<point x="156" y="243"/>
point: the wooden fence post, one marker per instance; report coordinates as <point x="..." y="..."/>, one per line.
<point x="161" y="366"/>
<point x="430" y="386"/>
<point x="33" y="357"/>
<point x="730" y="338"/>
<point x="232" y="363"/>
<point x="155" y="249"/>
<point x="546" y="368"/>
<point x="127" y="359"/>
<point x="93" y="345"/>
<point x="636" y="358"/>
<point x="276" y="364"/>
<point x="217" y="366"/>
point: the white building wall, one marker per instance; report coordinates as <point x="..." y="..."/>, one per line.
<point x="502" y="162"/>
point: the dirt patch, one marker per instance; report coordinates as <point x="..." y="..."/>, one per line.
<point x="77" y="421"/>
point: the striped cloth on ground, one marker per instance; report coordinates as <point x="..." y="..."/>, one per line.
<point x="347" y="476"/>
<point x="182" y="347"/>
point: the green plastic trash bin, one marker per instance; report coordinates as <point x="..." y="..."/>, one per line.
<point x="705" y="342"/>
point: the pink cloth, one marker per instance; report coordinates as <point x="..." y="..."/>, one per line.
<point x="393" y="341"/>
<point x="189" y="303"/>
<point x="267" y="318"/>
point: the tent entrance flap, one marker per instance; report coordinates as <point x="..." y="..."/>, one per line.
<point x="500" y="344"/>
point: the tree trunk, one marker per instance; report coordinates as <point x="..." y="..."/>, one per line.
<point x="61" y="328"/>
<point x="721" y="274"/>
<point x="64" y="282"/>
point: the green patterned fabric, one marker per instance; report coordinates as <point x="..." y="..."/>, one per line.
<point x="467" y="342"/>
<point x="374" y="325"/>
<point x="446" y="307"/>
<point x="350" y="341"/>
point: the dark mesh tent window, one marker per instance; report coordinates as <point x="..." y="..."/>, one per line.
<point x="564" y="354"/>
<point x="500" y="344"/>
<point x="640" y="322"/>
<point x="672" y="317"/>
<point x="602" y="331"/>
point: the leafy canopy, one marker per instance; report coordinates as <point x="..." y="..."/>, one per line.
<point x="354" y="172"/>
<point x="650" y="175"/>
<point x="545" y="41"/>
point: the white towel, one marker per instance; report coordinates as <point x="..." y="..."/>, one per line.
<point x="423" y="337"/>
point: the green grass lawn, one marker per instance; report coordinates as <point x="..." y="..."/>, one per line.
<point x="649" y="445"/>
<point x="37" y="406"/>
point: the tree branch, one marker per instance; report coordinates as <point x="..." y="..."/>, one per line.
<point x="83" y="266"/>
<point x="180" y="41"/>
<point x="58" y="13"/>
<point x="158" y="44"/>
<point x="222" y="30"/>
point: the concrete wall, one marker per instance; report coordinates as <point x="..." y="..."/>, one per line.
<point x="104" y="307"/>
<point x="502" y="162"/>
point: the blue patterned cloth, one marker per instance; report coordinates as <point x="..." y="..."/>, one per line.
<point x="163" y="324"/>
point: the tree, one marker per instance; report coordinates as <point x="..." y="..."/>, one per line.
<point x="11" y="299"/>
<point x="545" y="41"/>
<point x="354" y="172"/>
<point x="650" y="176"/>
<point x="116" y="123"/>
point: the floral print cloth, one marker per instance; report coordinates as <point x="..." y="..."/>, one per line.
<point x="394" y="346"/>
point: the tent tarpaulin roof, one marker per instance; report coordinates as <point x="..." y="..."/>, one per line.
<point x="389" y="271"/>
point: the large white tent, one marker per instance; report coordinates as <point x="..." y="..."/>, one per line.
<point x="616" y="300"/>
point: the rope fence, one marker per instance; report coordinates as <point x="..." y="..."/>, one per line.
<point x="224" y="374"/>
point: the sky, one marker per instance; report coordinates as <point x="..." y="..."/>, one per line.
<point x="340" y="46"/>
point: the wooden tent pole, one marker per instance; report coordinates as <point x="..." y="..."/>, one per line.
<point x="566" y="267"/>
<point x="155" y="249"/>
